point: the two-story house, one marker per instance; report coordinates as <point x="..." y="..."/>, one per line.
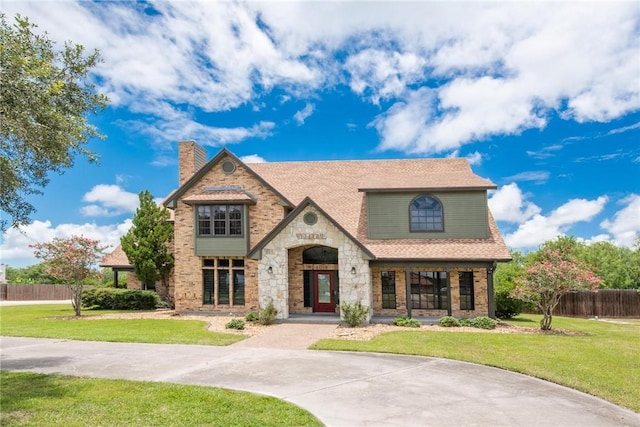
<point x="404" y="237"/>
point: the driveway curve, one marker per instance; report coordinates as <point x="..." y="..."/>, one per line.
<point x="340" y="388"/>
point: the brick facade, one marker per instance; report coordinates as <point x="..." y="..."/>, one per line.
<point x="480" y="284"/>
<point x="263" y="217"/>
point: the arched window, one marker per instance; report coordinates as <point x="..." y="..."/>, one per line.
<point x="320" y="255"/>
<point x="426" y="214"/>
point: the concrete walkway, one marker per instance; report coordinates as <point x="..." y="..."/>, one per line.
<point x="288" y="336"/>
<point x="341" y="389"/>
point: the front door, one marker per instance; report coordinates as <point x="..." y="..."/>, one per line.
<point x="323" y="286"/>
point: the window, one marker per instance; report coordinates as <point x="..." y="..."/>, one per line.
<point x="220" y="220"/>
<point x="429" y="290"/>
<point x="426" y="214"/>
<point x="388" y="289"/>
<point x="320" y="255"/>
<point x="223" y="281"/>
<point x="467" y="301"/>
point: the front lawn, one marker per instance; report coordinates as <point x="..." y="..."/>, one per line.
<point x="30" y="399"/>
<point x="56" y="321"/>
<point x="603" y="361"/>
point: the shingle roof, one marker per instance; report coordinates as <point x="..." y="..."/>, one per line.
<point x="220" y="196"/>
<point x="117" y="258"/>
<point x="339" y="188"/>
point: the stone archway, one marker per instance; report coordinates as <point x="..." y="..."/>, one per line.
<point x="273" y="267"/>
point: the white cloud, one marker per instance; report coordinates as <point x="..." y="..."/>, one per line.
<point x="474" y="158"/>
<point x="252" y="158"/>
<point x="625" y="225"/>
<point x="302" y="115"/>
<point x="109" y="200"/>
<point x="537" y="176"/>
<point x="539" y="228"/>
<point x="450" y="73"/>
<point x="624" y="129"/>
<point x="508" y="204"/>
<point x="15" y="242"/>
<point x="383" y="74"/>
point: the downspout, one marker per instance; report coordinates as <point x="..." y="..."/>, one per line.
<point x="407" y="283"/>
<point x="491" y="297"/>
<point x="449" y="311"/>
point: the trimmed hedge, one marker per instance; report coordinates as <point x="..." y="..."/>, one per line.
<point x="120" y="299"/>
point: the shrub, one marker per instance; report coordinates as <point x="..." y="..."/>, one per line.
<point x="482" y="322"/>
<point x="406" y="322"/>
<point x="235" y="324"/>
<point x="354" y="314"/>
<point x="251" y="317"/>
<point x="448" y="321"/>
<point x="120" y="299"/>
<point x="507" y="307"/>
<point x="267" y="315"/>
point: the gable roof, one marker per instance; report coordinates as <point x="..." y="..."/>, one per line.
<point x="338" y="190"/>
<point x="292" y="215"/>
<point x="340" y="187"/>
<point x="207" y="167"/>
<point x="117" y="258"/>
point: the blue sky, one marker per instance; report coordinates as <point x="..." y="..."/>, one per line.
<point x="543" y="98"/>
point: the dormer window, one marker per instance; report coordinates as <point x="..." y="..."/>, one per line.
<point x="425" y="213"/>
<point x="220" y="220"/>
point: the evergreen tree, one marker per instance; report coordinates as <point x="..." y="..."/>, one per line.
<point x="148" y="245"/>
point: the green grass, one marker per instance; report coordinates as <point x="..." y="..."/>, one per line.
<point x="52" y="321"/>
<point x="605" y="361"/>
<point x="30" y="399"/>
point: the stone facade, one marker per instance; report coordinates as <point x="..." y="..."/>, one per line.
<point x="273" y="268"/>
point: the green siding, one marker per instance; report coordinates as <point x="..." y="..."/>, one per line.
<point x="465" y="215"/>
<point x="221" y="246"/>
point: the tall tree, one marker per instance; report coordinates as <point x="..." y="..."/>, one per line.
<point x="550" y="278"/>
<point x="617" y="266"/>
<point x="45" y="97"/>
<point x="148" y="245"/>
<point x="71" y="261"/>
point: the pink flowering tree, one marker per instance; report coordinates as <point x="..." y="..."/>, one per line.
<point x="549" y="279"/>
<point x="72" y="261"/>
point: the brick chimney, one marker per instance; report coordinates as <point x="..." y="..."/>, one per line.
<point x="191" y="158"/>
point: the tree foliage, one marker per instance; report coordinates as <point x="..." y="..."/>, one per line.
<point x="148" y="245"/>
<point x="505" y="279"/>
<point x="72" y="261"/>
<point x="45" y="97"/>
<point x="33" y="274"/>
<point x="548" y="279"/>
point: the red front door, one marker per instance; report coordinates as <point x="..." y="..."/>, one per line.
<point x="323" y="286"/>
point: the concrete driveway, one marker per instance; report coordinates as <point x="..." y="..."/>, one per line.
<point x="341" y="389"/>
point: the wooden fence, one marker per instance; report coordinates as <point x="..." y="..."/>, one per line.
<point x="34" y="292"/>
<point x="603" y="303"/>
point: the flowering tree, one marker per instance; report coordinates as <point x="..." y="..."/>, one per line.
<point x="71" y="261"/>
<point x="549" y="279"/>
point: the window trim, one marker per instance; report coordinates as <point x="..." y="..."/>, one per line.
<point x="227" y="220"/>
<point x="472" y="294"/>
<point x="411" y="208"/>
<point x="434" y="289"/>
<point x="391" y="275"/>
<point x="230" y="266"/>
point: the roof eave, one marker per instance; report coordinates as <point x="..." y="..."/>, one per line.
<point x="414" y="189"/>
